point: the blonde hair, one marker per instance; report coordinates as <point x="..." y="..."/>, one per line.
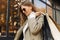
<point x="24" y="17"/>
<point x="30" y="4"/>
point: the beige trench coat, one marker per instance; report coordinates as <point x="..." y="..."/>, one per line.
<point x="34" y="29"/>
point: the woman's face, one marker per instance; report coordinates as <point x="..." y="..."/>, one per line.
<point x="26" y="9"/>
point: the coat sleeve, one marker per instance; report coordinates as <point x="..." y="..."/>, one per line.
<point x="18" y="33"/>
<point x="35" y="25"/>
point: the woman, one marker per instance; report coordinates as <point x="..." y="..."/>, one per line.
<point x="32" y="26"/>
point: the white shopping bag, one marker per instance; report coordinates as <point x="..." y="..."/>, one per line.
<point x="54" y="31"/>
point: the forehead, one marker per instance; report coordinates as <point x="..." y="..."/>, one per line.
<point x="23" y="6"/>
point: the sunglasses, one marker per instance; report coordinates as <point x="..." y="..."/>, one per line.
<point x="23" y="9"/>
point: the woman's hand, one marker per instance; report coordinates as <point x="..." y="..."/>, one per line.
<point x="38" y="13"/>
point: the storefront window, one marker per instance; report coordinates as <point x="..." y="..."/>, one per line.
<point x="43" y="7"/>
<point x="3" y="11"/>
<point x="10" y="16"/>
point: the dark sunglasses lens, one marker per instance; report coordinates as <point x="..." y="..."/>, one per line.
<point x="24" y="9"/>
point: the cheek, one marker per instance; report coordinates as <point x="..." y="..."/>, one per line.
<point x="27" y="10"/>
